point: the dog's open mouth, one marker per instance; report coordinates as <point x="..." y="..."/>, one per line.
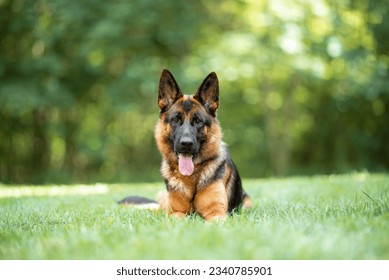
<point x="185" y="164"/>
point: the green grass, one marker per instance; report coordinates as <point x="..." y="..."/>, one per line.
<point x="322" y="217"/>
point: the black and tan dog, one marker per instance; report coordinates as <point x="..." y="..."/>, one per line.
<point x="199" y="174"/>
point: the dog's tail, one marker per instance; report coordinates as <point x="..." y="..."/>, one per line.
<point x="146" y="203"/>
<point x="139" y="202"/>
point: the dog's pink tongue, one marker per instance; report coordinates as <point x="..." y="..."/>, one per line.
<point x="185" y="165"/>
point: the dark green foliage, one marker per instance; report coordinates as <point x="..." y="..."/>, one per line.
<point x="304" y="85"/>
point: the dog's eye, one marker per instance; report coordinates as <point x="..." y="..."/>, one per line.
<point x="176" y="119"/>
<point x="197" y="121"/>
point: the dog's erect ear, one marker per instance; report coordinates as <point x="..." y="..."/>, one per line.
<point x="208" y="93"/>
<point x="168" y="91"/>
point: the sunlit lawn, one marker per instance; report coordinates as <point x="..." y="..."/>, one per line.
<point x="323" y="217"/>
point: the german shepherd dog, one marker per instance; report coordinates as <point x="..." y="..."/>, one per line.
<point x="199" y="174"/>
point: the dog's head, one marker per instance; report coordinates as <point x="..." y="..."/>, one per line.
<point x="188" y="118"/>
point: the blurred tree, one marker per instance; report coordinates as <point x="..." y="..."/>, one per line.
<point x="303" y="73"/>
<point x="78" y="84"/>
<point x="304" y="84"/>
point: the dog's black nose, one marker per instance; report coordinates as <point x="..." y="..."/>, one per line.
<point x="186" y="142"/>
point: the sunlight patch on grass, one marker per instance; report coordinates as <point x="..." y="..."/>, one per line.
<point x="53" y="190"/>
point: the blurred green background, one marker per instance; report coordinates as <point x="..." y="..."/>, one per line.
<point x="304" y="84"/>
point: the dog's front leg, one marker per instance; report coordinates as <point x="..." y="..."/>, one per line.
<point x="211" y="202"/>
<point x="176" y="204"/>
